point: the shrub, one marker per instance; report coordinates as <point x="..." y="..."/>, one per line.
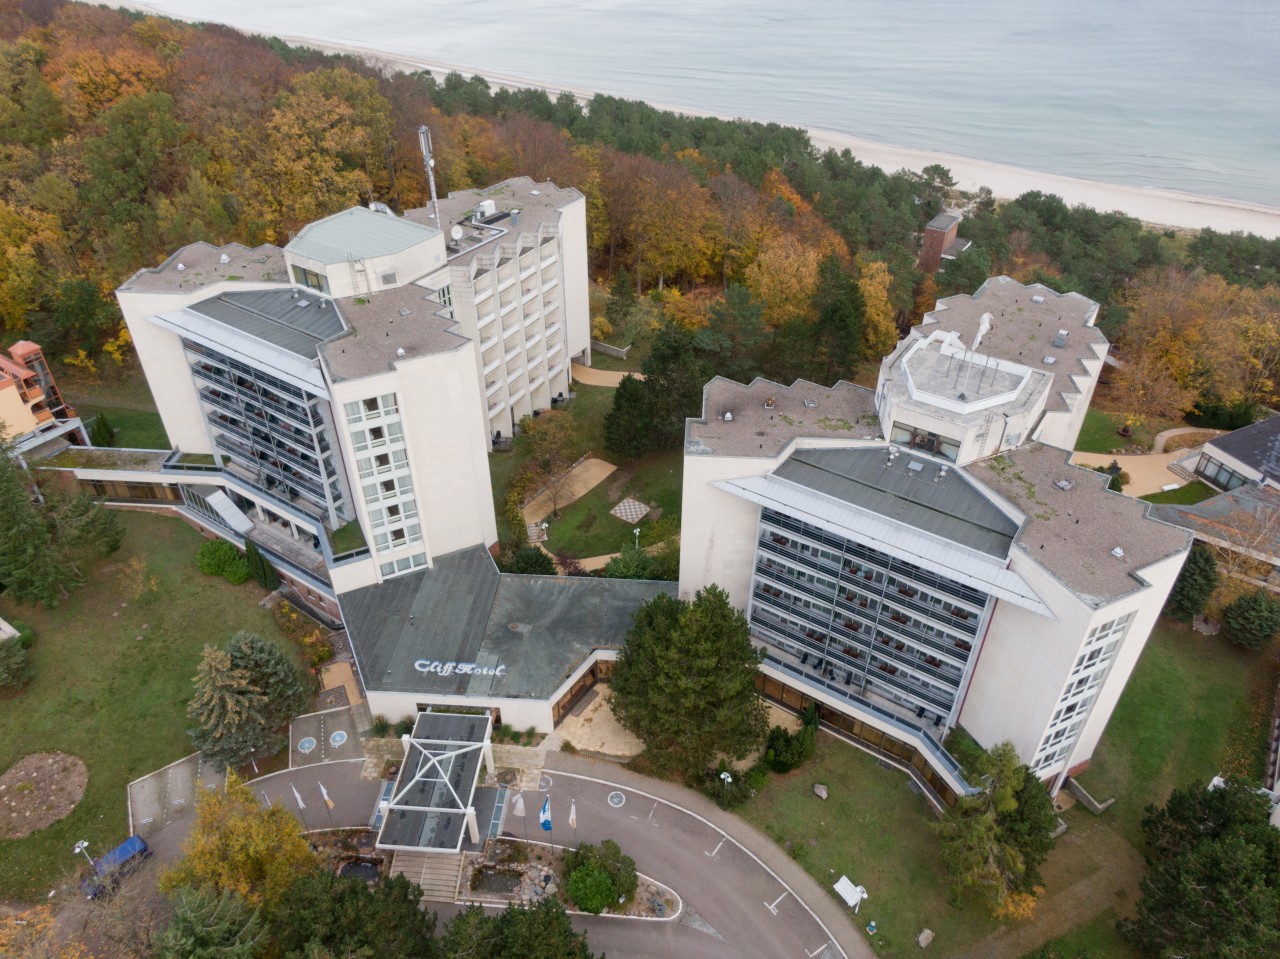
<point x="237" y="571"/>
<point x="15" y="670"/>
<point x="404" y="727"/>
<point x="26" y="636"/>
<point x="101" y="433"/>
<point x="531" y="561"/>
<point x="1252" y="620"/>
<point x="786" y="751"/>
<point x="214" y="556"/>
<point x="591" y="888"/>
<point x="740" y="787"/>
<point x="380" y="726"/>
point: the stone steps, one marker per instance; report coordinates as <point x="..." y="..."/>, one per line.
<point x="437" y="873"/>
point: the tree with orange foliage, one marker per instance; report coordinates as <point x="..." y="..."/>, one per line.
<point x="879" y="333"/>
<point x="784" y="277"/>
<point x="33" y="934"/>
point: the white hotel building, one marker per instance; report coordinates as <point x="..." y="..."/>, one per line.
<point x="960" y="572"/>
<point x="336" y="400"/>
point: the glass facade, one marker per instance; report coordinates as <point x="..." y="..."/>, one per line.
<point x="869" y="628"/>
<point x="920" y="439"/>
<point x="1214" y="472"/>
<point x="274" y="430"/>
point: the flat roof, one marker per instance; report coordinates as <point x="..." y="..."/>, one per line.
<point x="356" y="234"/>
<point x="916" y="490"/>
<point x="1023" y="331"/>
<point x="1246" y="517"/>
<point x="1256" y="445"/>
<point x="292" y="319"/>
<point x="514" y="636"/>
<point x="803" y="409"/>
<point x="202" y="266"/>
<point x="1071" y="532"/>
<point x="943" y="221"/>
<point x="383" y="323"/>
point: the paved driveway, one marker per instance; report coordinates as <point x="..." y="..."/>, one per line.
<point x="735" y="905"/>
<point x="353" y="798"/>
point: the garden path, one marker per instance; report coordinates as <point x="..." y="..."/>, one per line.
<point x="581" y="480"/>
<point x="592" y="377"/>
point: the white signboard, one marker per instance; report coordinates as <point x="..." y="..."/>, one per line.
<point x="426" y="666"/>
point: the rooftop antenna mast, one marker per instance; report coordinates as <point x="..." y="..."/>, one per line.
<point x="429" y="161"/>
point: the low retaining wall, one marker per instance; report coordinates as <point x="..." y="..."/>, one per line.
<point x="620" y="352"/>
<point x="1089" y="803"/>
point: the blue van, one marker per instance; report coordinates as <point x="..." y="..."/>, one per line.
<point x="110" y="869"/>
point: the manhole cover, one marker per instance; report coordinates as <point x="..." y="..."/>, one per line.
<point x="306" y="744"/>
<point x="616" y="799"/>
<point x="338" y="738"/>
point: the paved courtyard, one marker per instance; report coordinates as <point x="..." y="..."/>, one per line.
<point x="324" y="737"/>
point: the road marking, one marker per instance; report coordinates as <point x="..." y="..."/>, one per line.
<point x="821" y="948"/>
<point x="773" y="906"/>
<point x="713" y="852"/>
<point x="544" y="783"/>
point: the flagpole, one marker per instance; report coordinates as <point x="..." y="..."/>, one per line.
<point x="301" y="806"/>
<point x="328" y="803"/>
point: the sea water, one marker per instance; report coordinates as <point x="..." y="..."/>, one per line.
<point x="1181" y="94"/>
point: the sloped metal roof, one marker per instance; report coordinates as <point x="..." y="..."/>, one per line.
<point x="909" y="489"/>
<point x="1257" y="446"/>
<point x="964" y="565"/>
<point x="356" y="234"/>
<point x="291" y="319"/>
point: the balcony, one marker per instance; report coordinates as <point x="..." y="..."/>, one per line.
<point x="549" y="260"/>
<point x="513" y="375"/>
<point x="532" y="318"/>
<point x="550" y="285"/>
<point x="492" y="387"/>
<point x="485" y="320"/>
<point x="508" y="333"/>
<point x="518" y="393"/>
<point x="505" y="279"/>
<point x="496" y="407"/>
<point x="527" y="271"/>
<point x="529" y="295"/>
<point x="482" y="295"/>
<point x="492" y="365"/>
<point x="532" y="341"/>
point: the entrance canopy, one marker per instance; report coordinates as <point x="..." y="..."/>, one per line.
<point x="433" y="796"/>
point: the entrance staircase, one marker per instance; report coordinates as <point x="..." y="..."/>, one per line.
<point x="437" y="873"/>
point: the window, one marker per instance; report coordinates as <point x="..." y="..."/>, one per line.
<point x="310" y="279"/>
<point x="445" y="295"/>
<point x="922" y="439"/>
<point x="1216" y="473"/>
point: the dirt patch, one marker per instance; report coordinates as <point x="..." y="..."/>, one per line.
<point x="1185" y="441"/>
<point x="620" y="481"/>
<point x="38" y="790"/>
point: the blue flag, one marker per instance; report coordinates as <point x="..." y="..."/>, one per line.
<point x="544" y="817"/>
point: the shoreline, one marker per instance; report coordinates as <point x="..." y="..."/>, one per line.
<point x="1155" y="207"/>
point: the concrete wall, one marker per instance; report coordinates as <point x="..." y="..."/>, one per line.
<point x="14" y="413"/>
<point x="574" y="279"/>
<point x="1062" y="429"/>
<point x="519" y="713"/>
<point x="349" y="279"/>
<point x="165" y="364"/>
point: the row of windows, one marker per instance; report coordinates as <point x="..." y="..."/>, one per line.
<point x="1218" y="474"/>
<point x="377" y="436"/>
<point x="404" y="564"/>
<point x="400" y="536"/>
<point x="393" y="514"/>
<point x="921" y="439"/>
<point x="388" y="489"/>
<point x="375" y="407"/>
<point x="370" y="466"/>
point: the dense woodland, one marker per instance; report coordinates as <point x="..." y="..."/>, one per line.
<point x="124" y="136"/>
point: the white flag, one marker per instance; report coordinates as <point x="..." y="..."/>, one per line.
<point x="301" y="804"/>
<point x="573" y="814"/>
<point x="517" y="807"/>
<point x="325" y="793"/>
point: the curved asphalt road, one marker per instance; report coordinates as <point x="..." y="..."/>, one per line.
<point x="734" y="905"/>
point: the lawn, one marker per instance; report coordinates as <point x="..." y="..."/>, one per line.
<point x="112" y="684"/>
<point x="1187" y="495"/>
<point x="587" y="412"/>
<point x="874" y="829"/>
<point x="135" y="429"/>
<point x="1097" y="938"/>
<point x="1175" y="720"/>
<point x="1098" y="433"/>
<point x="585" y="527"/>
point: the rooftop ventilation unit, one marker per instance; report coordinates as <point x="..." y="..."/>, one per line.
<point x="400" y="351"/>
<point x="1050" y="360"/>
<point x="294" y="294"/>
<point x="1061" y="339"/>
<point x="1062" y="484"/>
<point x="323" y="304"/>
<point x="487" y="208"/>
<point x="1037" y="298"/>
<point x="302" y="304"/>
<point x="810" y="404"/>
<point x="728" y="417"/>
<point x="379" y="207"/>
<point x="224" y="258"/>
<point x="915" y="466"/>
<point x="405" y="311"/>
<point x="181" y="267"/>
<point x="1118" y="553"/>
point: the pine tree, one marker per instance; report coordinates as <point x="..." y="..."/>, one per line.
<point x="269" y="671"/>
<point x="1196" y="583"/>
<point x="229" y="710"/>
<point x="30" y="567"/>
<point x="207" y="923"/>
<point x="1253" y="620"/>
<point x="629" y="428"/>
<point x="101" y="433"/>
<point x="685" y="682"/>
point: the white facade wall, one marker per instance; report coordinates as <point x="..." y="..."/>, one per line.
<point x="519" y="713"/>
<point x="575" y="280"/>
<point x="1062" y="428"/>
<point x="164" y="363"/>
<point x="364" y="277"/>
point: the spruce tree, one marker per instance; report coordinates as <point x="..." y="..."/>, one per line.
<point x="1196" y="583"/>
<point x="30" y="567"/>
<point x="229" y="710"/>
<point x="1253" y="620"/>
<point x="101" y="433"/>
<point x="269" y="670"/>
<point x="629" y="427"/>
<point x="260" y="569"/>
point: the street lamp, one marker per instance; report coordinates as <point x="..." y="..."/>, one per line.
<point x="726" y="778"/>
<point x="83" y="847"/>
<point x="637" y="532"/>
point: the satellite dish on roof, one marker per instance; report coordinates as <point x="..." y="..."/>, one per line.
<point x="456" y="232"/>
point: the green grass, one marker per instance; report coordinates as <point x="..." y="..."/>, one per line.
<point x="587" y="413"/>
<point x="116" y="701"/>
<point x="1097" y="938"/>
<point x="135" y="429"/>
<point x="873" y="829"/>
<point x="1098" y="433"/>
<point x="346" y="538"/>
<point x="1172" y="723"/>
<point x="1191" y="493"/>
<point x="585" y="527"/>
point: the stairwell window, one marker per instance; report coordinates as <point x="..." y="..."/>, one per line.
<point x="310" y="279"/>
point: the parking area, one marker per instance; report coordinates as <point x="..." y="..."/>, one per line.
<point x="168" y="794"/>
<point x="325" y="737"/>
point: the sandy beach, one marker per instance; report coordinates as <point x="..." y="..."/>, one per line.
<point x="1165" y="208"/>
